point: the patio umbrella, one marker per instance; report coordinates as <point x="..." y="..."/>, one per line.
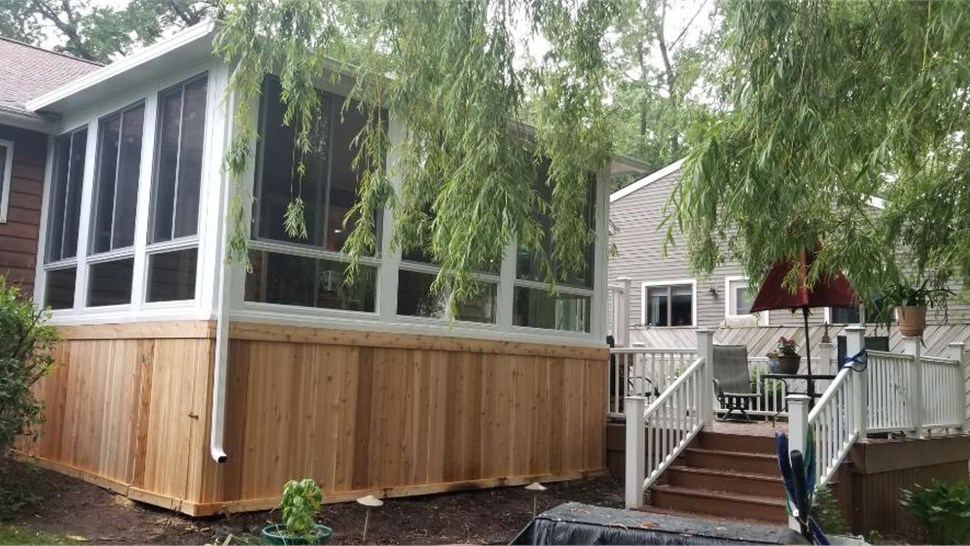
<point x="830" y="291"/>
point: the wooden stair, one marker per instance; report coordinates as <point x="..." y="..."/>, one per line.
<point x="724" y="475"/>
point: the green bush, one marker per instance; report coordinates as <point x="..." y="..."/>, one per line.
<point x="301" y="506"/>
<point x="943" y="511"/>
<point x="828" y="513"/>
<point x="26" y="355"/>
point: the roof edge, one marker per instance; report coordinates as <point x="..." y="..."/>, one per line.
<point x="647" y="180"/>
<point x="121" y="66"/>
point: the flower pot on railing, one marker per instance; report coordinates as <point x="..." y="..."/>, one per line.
<point x="789" y="363"/>
<point x="911" y="320"/>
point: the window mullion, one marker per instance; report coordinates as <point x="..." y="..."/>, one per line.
<point x="114" y="197"/>
<point x="178" y="161"/>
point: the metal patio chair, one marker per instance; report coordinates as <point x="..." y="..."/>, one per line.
<point x="732" y="382"/>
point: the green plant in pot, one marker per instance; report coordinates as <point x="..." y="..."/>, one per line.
<point x="786" y="355"/>
<point x="911" y="300"/>
<point x="300" y="506"/>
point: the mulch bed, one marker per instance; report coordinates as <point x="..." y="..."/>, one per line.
<point x="71" y="507"/>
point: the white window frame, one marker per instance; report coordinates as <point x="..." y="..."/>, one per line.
<point x="7" y="179"/>
<point x="761" y="316"/>
<point x="675" y="282"/>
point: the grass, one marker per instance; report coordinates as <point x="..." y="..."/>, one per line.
<point x="12" y="534"/>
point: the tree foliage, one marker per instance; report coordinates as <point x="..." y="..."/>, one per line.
<point x="95" y="31"/>
<point x="453" y="74"/>
<point x="831" y="104"/>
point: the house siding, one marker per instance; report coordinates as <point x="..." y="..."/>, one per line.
<point x="18" y="235"/>
<point x="639" y="240"/>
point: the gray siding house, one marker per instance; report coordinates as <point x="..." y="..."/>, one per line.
<point x="667" y="302"/>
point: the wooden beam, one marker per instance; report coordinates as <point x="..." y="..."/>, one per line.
<point x="327" y="336"/>
<point x="200" y="329"/>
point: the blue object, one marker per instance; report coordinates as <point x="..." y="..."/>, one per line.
<point x="798" y="474"/>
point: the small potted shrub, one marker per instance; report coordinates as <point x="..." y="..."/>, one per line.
<point x="910" y="301"/>
<point x="786" y="356"/>
<point x="300" y="506"/>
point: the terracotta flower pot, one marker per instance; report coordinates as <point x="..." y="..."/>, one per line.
<point x="789" y="364"/>
<point x="911" y="320"/>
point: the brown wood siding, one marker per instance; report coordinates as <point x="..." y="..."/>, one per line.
<point x="18" y="235"/>
<point x="639" y="241"/>
<point x="388" y="414"/>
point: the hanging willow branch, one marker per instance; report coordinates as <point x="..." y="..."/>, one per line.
<point x="454" y="76"/>
<point x="832" y="103"/>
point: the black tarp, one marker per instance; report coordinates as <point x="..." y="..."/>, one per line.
<point x="575" y="523"/>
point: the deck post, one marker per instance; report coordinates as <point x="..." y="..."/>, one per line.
<point x="797" y="432"/>
<point x="636" y="457"/>
<point x="911" y="346"/>
<point x="854" y="343"/>
<point x="957" y="351"/>
<point x="825" y="358"/>
<point x="705" y="350"/>
<point x="623" y="324"/>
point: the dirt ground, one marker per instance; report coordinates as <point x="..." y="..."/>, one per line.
<point x="81" y="512"/>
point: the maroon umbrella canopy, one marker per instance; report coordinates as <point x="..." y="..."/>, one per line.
<point x="829" y="291"/>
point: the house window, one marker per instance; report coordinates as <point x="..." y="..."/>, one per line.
<point x="669" y="305"/>
<point x="307" y="272"/>
<point x="115" y="201"/>
<point x="6" y="172"/>
<point x="415" y="297"/>
<point x="63" y="218"/>
<point x="174" y="221"/>
<point x="570" y="306"/>
<point x="846" y="315"/>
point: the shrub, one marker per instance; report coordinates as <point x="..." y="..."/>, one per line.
<point x="828" y="513"/>
<point x="301" y="506"/>
<point x="26" y="355"/>
<point x="943" y="511"/>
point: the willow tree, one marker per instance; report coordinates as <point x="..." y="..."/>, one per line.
<point x="829" y="104"/>
<point x="457" y="78"/>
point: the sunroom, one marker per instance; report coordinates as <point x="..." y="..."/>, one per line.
<point x="199" y="385"/>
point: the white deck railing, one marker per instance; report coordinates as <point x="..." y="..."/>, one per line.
<point x="834" y="423"/>
<point x="646" y="372"/>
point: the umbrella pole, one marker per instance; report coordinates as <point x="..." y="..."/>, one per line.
<point x="808" y="358"/>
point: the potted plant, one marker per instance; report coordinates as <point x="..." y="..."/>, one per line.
<point x="911" y="300"/>
<point x="300" y="506"/>
<point x="786" y="355"/>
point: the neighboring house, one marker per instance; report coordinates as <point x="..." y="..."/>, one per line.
<point x="196" y="385"/>
<point x="667" y="302"/>
<point x="26" y="72"/>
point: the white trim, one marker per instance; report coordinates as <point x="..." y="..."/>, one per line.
<point x="761" y="316"/>
<point x="646" y="181"/>
<point x="6" y="181"/>
<point x="159" y="49"/>
<point x="30" y="122"/>
<point x="40" y="276"/>
<point x="675" y="282"/>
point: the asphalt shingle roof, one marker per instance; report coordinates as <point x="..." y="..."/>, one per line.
<point x="27" y="72"/>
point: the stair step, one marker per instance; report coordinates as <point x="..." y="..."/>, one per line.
<point x="741" y="483"/>
<point x="720" y="441"/>
<point x="716" y="503"/>
<point x="752" y="463"/>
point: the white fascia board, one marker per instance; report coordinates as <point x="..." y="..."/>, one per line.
<point x="200" y="32"/>
<point x="646" y="181"/>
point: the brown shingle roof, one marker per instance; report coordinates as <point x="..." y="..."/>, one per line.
<point x="27" y="72"/>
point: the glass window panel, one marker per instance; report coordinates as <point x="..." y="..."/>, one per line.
<point x="59" y="292"/>
<point x="842" y="315"/>
<point x="109" y="133"/>
<point x="119" y="160"/>
<point x="537" y="308"/>
<point x="110" y="283"/>
<point x="178" y="157"/>
<point x="60" y="179"/>
<point x="308" y="282"/>
<point x="72" y="205"/>
<point x="740" y="302"/>
<point x="657" y="306"/>
<point x="681" y="306"/>
<point x="529" y="264"/>
<point x="171" y="275"/>
<point x="343" y="179"/>
<point x="415" y="298"/>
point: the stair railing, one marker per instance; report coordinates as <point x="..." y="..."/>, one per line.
<point x="659" y="433"/>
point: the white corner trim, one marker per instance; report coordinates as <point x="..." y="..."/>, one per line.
<point x="646" y="181"/>
<point x="197" y="32"/>
<point x="7" y="177"/>
<point x="693" y="298"/>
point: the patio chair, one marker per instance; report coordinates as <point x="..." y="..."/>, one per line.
<point x="732" y="382"/>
